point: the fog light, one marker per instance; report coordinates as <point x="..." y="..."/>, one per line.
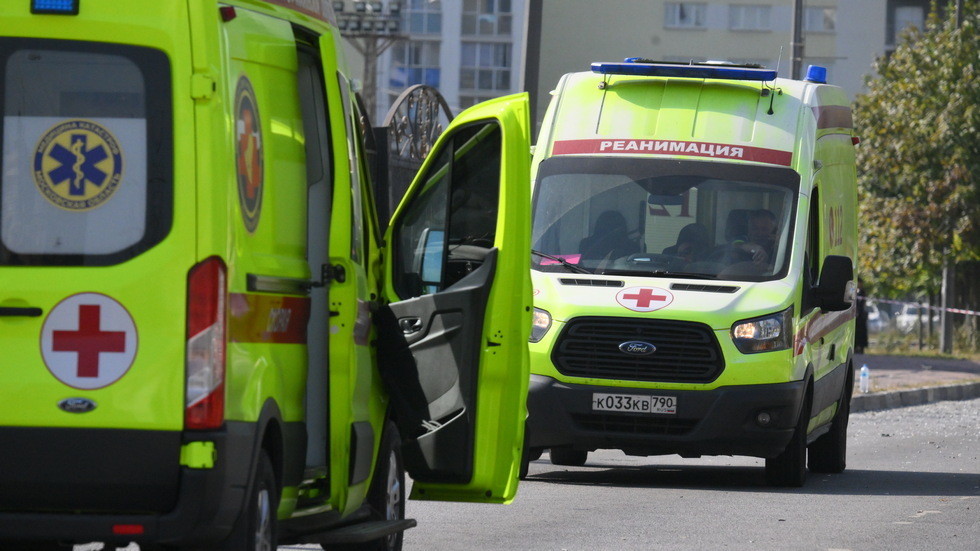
<point x="763" y="419"/>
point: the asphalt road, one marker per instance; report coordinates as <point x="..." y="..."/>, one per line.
<point x="913" y="482"/>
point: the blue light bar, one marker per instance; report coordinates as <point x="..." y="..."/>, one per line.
<point x="637" y="67"/>
<point x="55" y="7"/>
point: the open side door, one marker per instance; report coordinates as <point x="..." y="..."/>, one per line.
<point x="453" y="339"/>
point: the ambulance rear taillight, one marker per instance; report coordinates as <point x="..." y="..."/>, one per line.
<point x="206" y="327"/>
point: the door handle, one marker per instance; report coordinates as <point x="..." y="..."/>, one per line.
<point x="410" y="325"/>
<point x="23" y="311"/>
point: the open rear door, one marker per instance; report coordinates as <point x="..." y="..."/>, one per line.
<point x="453" y="340"/>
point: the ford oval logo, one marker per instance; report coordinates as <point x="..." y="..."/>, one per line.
<point x="637" y="348"/>
<point x="77" y="405"/>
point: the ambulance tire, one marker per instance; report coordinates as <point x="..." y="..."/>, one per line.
<point x="568" y="457"/>
<point x="386" y="497"/>
<point x="828" y="454"/>
<point x="788" y="469"/>
<point x="256" y="528"/>
<point x="526" y="457"/>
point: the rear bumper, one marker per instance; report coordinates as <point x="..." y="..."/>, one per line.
<point x="79" y="485"/>
<point x="708" y="422"/>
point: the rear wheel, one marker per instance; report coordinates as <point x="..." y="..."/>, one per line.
<point x="789" y="468"/>
<point x="256" y="528"/>
<point x="568" y="457"/>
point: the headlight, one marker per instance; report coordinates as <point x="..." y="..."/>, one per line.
<point x="540" y="324"/>
<point x="765" y="334"/>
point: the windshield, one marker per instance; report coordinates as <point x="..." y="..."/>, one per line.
<point x="693" y="219"/>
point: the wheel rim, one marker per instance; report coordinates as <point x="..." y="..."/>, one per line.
<point x="393" y="497"/>
<point x="263" y="522"/>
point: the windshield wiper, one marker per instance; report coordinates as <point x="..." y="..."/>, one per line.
<point x="561" y="261"/>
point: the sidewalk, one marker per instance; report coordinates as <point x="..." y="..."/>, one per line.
<point x="900" y="381"/>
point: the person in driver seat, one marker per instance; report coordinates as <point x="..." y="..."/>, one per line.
<point x="610" y="238"/>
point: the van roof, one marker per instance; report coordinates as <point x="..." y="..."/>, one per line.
<point x="765" y="117"/>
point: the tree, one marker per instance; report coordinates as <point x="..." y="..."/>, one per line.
<point x="919" y="160"/>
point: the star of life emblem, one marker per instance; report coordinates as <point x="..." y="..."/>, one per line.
<point x="77" y="165"/>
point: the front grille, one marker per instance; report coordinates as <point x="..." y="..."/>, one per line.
<point x="634" y="424"/>
<point x="686" y="352"/>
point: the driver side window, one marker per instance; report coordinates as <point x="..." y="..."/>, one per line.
<point x="451" y="225"/>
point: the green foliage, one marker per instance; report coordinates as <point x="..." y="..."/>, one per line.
<point x="919" y="160"/>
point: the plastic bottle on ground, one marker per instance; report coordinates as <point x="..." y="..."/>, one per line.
<point x="865" y="379"/>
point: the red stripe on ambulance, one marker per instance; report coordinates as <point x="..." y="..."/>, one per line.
<point x="673" y="147"/>
<point x="268" y="318"/>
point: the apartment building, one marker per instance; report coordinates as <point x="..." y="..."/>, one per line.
<point x="846" y="36"/>
<point x="473" y="50"/>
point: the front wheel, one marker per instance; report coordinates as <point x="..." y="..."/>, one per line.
<point x="386" y="497"/>
<point x="568" y="457"/>
<point x="789" y="467"/>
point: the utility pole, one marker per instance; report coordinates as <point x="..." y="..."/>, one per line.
<point x="796" y="41"/>
<point x="949" y="266"/>
<point x="370" y="30"/>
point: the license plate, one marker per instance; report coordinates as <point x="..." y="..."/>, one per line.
<point x="634" y="403"/>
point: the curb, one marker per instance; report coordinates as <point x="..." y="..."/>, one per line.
<point x="914" y="397"/>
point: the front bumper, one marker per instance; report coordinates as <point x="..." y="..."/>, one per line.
<point x="722" y="421"/>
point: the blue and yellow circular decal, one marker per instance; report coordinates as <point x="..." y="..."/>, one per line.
<point x="248" y="153"/>
<point x="77" y="165"/>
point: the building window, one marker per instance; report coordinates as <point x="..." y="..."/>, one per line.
<point x="685" y="15"/>
<point x="487" y="18"/>
<point x="903" y="15"/>
<point x="486" y="67"/>
<point x="820" y="20"/>
<point x="423" y="17"/>
<point x="415" y="62"/>
<point x="749" y="18"/>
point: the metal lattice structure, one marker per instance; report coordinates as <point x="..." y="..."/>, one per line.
<point x="410" y="129"/>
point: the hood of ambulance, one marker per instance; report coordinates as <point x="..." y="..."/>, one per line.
<point x="718" y="304"/>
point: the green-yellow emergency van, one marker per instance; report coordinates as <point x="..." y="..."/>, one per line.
<point x="207" y="344"/>
<point x="694" y="238"/>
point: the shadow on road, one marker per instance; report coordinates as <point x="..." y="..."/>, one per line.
<point x="752" y="479"/>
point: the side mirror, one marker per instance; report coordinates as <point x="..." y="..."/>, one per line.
<point x="836" y="290"/>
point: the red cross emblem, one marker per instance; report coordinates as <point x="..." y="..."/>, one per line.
<point x="644" y="299"/>
<point x="88" y="341"/>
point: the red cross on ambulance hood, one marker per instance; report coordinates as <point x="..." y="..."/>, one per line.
<point x="644" y="299"/>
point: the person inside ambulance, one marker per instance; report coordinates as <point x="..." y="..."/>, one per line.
<point x="610" y="238"/>
<point x="757" y="243"/>
<point x="760" y="240"/>
<point x="692" y="243"/>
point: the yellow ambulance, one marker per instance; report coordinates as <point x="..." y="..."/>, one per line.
<point x="694" y="241"/>
<point x="207" y="344"/>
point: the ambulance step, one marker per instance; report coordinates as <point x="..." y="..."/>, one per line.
<point x="365" y="531"/>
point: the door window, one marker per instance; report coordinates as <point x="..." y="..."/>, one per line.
<point x="449" y="228"/>
<point x="87" y="152"/>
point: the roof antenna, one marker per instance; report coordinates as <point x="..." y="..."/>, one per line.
<point x="772" y="89"/>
